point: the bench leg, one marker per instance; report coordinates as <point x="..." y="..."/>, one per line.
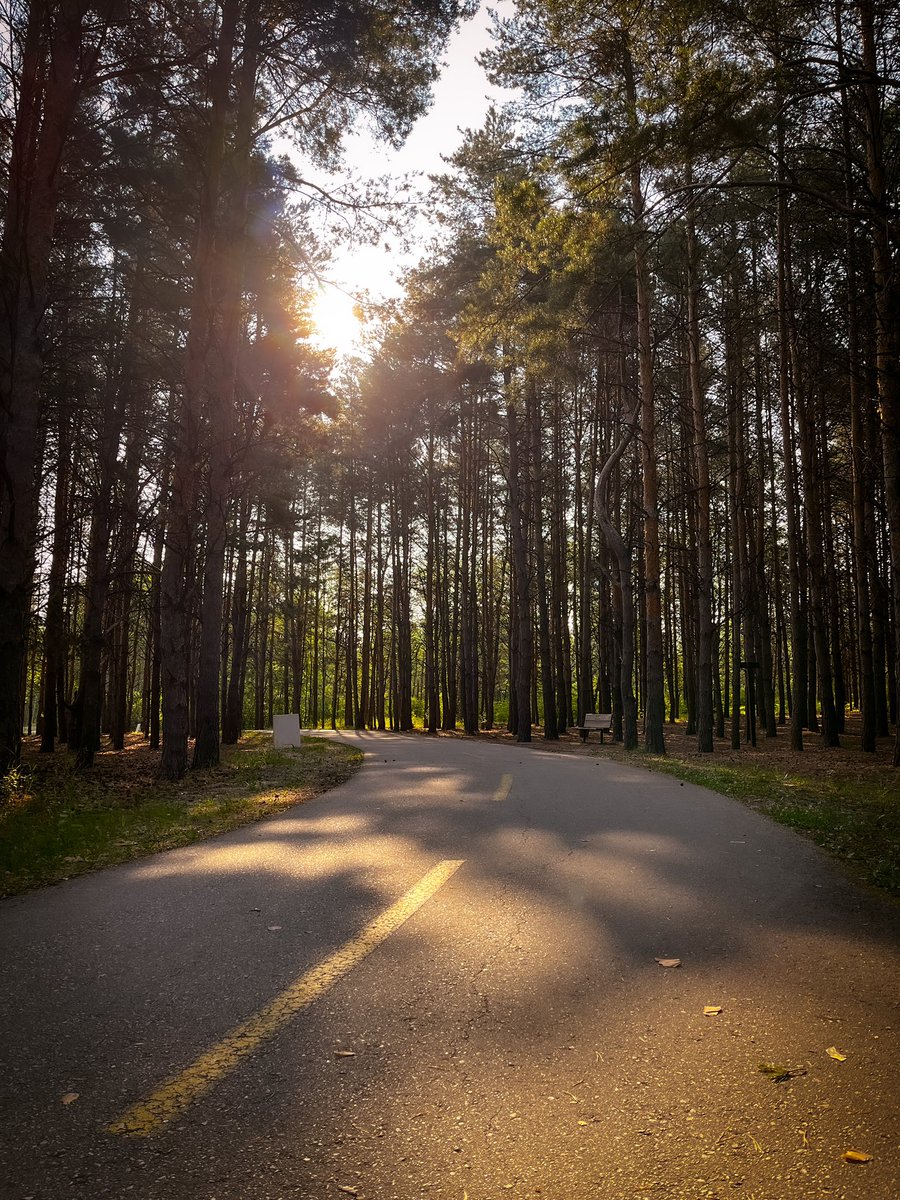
<point x="584" y="734"/>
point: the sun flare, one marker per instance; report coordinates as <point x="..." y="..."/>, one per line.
<point x="336" y="321"/>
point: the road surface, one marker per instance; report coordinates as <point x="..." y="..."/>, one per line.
<point x="440" y="980"/>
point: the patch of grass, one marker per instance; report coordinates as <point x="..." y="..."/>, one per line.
<point x="56" y="822"/>
<point x="854" y="815"/>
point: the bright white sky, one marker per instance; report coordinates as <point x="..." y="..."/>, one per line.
<point x="462" y="96"/>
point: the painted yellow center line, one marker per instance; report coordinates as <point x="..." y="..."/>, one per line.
<point x="505" y="787"/>
<point x="167" y="1102"/>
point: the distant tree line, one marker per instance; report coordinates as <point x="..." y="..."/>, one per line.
<point x="631" y="444"/>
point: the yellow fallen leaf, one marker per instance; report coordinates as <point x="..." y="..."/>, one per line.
<point x="834" y="1053"/>
<point x="582" y="1122"/>
<point x="345" y="1054"/>
<point x="70" y="1097"/>
<point x="669" y="962"/>
<point x="712" y="1010"/>
<point x="856" y="1156"/>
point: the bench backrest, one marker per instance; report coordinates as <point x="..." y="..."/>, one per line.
<point x="597" y="721"/>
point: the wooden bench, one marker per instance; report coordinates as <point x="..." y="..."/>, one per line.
<point x="601" y="721"/>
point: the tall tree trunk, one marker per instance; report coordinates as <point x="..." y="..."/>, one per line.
<point x="232" y="721"/>
<point x="701" y="467"/>
<point x="796" y="614"/>
<point x="654" y="701"/>
<point x="521" y="575"/>
<point x="432" y="694"/>
<point x="548" y="690"/>
<point x="52" y="74"/>
<point x="585" y="532"/>
<point x="177" y="582"/>
<point x="55" y="634"/>
<point x="99" y="563"/>
<point x="624" y="581"/>
<point x="735" y="504"/>
<point x="124" y="579"/>
<point x="887" y="300"/>
<point x="226" y="320"/>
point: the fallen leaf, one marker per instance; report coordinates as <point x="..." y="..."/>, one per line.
<point x="582" y="1122"/>
<point x="756" y="1146"/>
<point x="345" y="1054"/>
<point x="770" y="1068"/>
<point x="834" y="1053"/>
<point x="349" y="1191"/>
<point x="273" y="928"/>
<point x="712" y="1010"/>
<point x="70" y="1097"/>
<point x="669" y="962"/>
<point x="856" y="1156"/>
<point x="779" y="1074"/>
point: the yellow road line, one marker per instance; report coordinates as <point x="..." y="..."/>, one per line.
<point x="505" y="787"/>
<point x="152" y="1114"/>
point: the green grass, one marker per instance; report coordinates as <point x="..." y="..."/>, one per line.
<point x="854" y="816"/>
<point x="56" y="822"/>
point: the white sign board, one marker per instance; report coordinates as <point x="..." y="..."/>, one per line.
<point x="286" y="729"/>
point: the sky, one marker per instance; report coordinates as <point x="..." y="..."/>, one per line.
<point x="462" y="96"/>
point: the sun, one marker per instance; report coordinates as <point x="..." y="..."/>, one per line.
<point x="336" y="320"/>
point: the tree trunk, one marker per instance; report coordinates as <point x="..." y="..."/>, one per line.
<point x="701" y="466"/>
<point x="795" y="609"/>
<point x="654" y="701"/>
<point x="624" y="572"/>
<point x="887" y="301"/>
<point x="177" y="582"/>
<point x="227" y="259"/>
<point x="548" y="690"/>
<point x="54" y="636"/>
<point x="521" y="576"/>
<point x="50" y="84"/>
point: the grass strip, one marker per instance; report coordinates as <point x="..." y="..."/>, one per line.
<point x="56" y="822"/>
<point x="855" y="817"/>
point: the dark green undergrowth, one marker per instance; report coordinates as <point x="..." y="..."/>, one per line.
<point x="56" y="822"/>
<point x="855" y="816"/>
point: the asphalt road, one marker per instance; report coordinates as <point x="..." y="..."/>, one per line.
<point x="512" y="1033"/>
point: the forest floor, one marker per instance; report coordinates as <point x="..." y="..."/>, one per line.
<point x="56" y="822"/>
<point x="846" y="801"/>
